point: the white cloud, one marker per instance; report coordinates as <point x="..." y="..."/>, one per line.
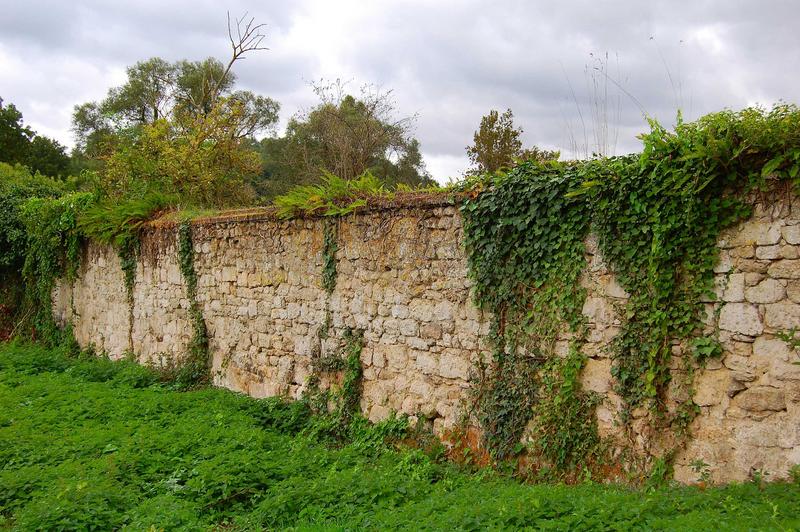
<point x="448" y="61"/>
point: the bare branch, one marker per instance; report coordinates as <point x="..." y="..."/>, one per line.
<point x="248" y="39"/>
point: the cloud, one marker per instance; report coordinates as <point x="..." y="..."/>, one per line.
<point x="563" y="67"/>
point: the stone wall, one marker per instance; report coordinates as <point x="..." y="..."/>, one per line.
<point x="402" y="279"/>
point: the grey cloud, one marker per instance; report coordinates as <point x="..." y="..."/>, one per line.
<point x="450" y="62"/>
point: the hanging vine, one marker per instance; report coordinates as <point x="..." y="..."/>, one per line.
<point x="524" y="238"/>
<point x="196" y="368"/>
<point x="658" y="216"/>
<point x="330" y="246"/>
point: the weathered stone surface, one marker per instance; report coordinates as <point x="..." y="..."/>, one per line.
<point x="768" y="252"/>
<point x="732" y="288"/>
<point x="402" y="279"/>
<point x="754" y="232"/>
<point x="785" y="269"/>
<point x="767" y="291"/>
<point x="791" y="233"/>
<point x="711" y="387"/>
<point x="741" y="318"/>
<point x="596" y="376"/>
<point x="782" y="315"/>
<point x="760" y="399"/>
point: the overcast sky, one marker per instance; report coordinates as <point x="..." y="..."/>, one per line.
<point x="556" y="64"/>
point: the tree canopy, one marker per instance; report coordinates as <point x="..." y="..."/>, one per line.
<point x="346" y="135"/>
<point x="497" y="144"/>
<point x="19" y="144"/>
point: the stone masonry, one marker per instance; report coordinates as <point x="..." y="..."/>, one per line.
<point x="402" y="279"/>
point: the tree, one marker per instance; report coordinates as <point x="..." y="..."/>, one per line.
<point x="204" y="162"/>
<point x="19" y="144"/>
<point x="179" y="92"/>
<point x="345" y="135"/>
<point x="47" y="157"/>
<point x="497" y="145"/>
<point x="14" y="136"/>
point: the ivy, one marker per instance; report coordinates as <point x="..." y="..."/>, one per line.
<point x="338" y="408"/>
<point x="52" y="251"/>
<point x="128" y="252"/>
<point x="524" y="237"/>
<point x="658" y="217"/>
<point x="195" y="369"/>
<point x="330" y="246"/>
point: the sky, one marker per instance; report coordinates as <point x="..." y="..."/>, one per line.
<point x="580" y="76"/>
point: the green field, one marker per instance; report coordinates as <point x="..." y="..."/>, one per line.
<point x="102" y="445"/>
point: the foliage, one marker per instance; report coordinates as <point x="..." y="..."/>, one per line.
<point x="202" y="161"/>
<point x="347" y="135"/>
<point x="524" y="240"/>
<point x="195" y="369"/>
<point x="118" y="222"/>
<point x="329" y="248"/>
<point x="19" y="144"/>
<point x="659" y="216"/>
<point x="562" y="431"/>
<point x="88" y="446"/>
<point x="497" y="145"/>
<point x="17" y="185"/>
<point x="179" y="92"/>
<point x="53" y="249"/>
<point x="338" y="408"/>
<point x="334" y="196"/>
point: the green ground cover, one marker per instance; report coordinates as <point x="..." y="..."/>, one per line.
<point x="93" y="444"/>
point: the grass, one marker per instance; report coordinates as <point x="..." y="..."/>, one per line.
<point x="100" y="445"/>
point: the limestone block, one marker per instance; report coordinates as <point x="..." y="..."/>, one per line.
<point x="427" y="363"/>
<point x="743" y="252"/>
<point x="596" y="375"/>
<point x="741" y="318"/>
<point x="760" y="399"/>
<point x="454" y="365"/>
<point x="396" y="356"/>
<point x="444" y="311"/>
<point x="791" y="233"/>
<point x="765" y="350"/>
<point x="782" y="315"/>
<point x="767" y="291"/>
<point x="793" y="290"/>
<point x="431" y="331"/>
<point x="731" y="289"/>
<point x="789" y="252"/>
<point x="711" y="387"/>
<point x="768" y="252"/>
<point x="378" y="413"/>
<point x="754" y="232"/>
<point x="785" y="269"/>
<point x="409" y="328"/>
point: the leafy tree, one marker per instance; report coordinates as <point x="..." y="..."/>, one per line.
<point x="178" y="92"/>
<point x="202" y="159"/>
<point x="497" y="145"/>
<point x="177" y="128"/>
<point x="14" y="136"/>
<point x="48" y="157"/>
<point x="19" y="144"/>
<point x="345" y="135"/>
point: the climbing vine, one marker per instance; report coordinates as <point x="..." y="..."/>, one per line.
<point x="128" y="252"/>
<point x="658" y="217"/>
<point x="53" y="249"/>
<point x="195" y="369"/>
<point x="524" y="237"/>
<point x="338" y="406"/>
<point x="330" y="246"/>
